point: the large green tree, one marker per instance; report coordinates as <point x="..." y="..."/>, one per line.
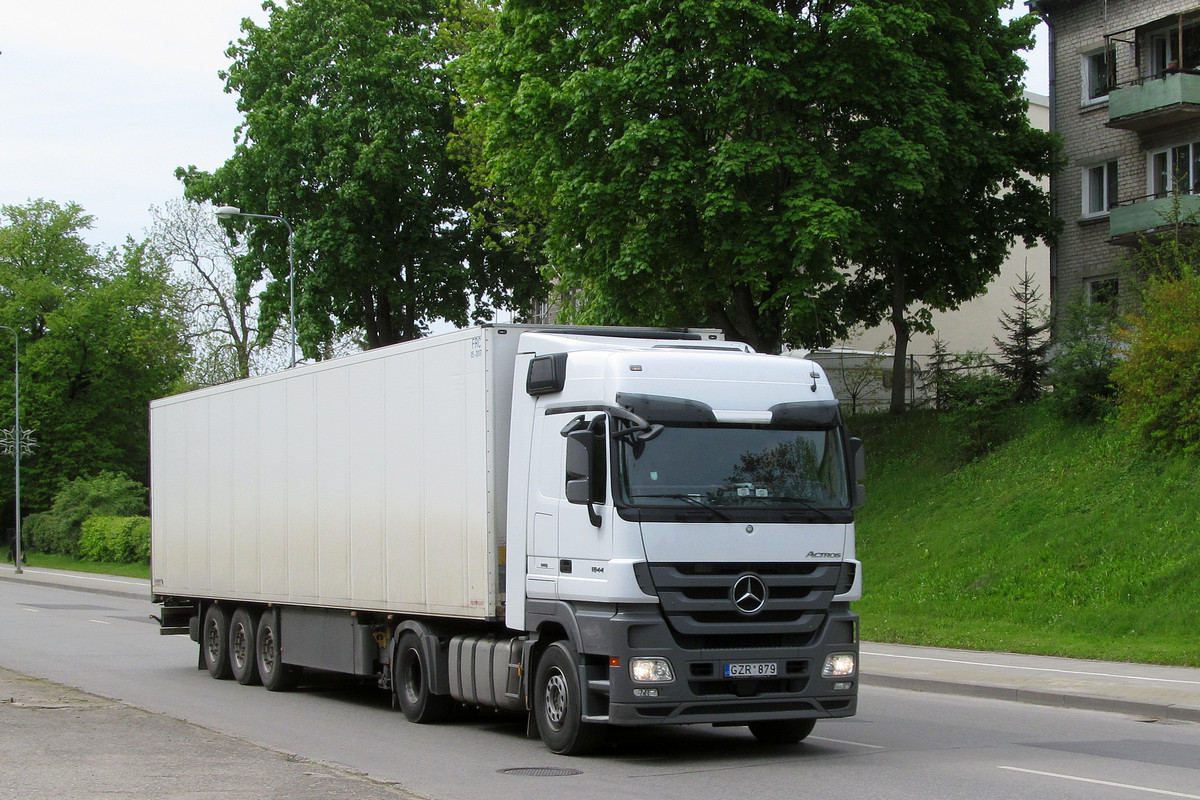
<point x="100" y="335"/>
<point x="940" y="125"/>
<point x="674" y="156"/>
<point x="736" y="161"/>
<point x="349" y="105"/>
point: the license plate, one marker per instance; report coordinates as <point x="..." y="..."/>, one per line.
<point x="752" y="670"/>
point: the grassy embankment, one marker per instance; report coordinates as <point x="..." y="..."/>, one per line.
<point x="1065" y="540"/>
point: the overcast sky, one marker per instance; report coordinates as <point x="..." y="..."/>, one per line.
<point x="100" y="101"/>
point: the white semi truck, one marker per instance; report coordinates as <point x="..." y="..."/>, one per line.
<point x="599" y="527"/>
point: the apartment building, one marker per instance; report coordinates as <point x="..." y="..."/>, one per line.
<point x="1125" y="98"/>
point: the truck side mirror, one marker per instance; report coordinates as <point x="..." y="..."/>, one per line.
<point x="860" y="461"/>
<point x="585" y="471"/>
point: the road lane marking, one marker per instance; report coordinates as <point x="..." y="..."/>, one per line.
<point x="844" y="741"/>
<point x="95" y="578"/>
<point x="1098" y="782"/>
<point x="1031" y="669"/>
<point x="100" y="622"/>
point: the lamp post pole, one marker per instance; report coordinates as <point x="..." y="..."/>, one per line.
<point x="17" y="447"/>
<point x="225" y="212"/>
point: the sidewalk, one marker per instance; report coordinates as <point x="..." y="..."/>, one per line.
<point x="1142" y="690"/>
<point x="138" y="588"/>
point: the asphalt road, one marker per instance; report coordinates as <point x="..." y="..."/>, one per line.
<point x="199" y="738"/>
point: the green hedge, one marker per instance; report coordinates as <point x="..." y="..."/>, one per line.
<point x="123" y="540"/>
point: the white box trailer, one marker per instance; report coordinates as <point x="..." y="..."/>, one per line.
<point x="527" y="518"/>
<point x="373" y="482"/>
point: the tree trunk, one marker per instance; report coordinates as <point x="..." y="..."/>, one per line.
<point x="745" y="324"/>
<point x="900" y="358"/>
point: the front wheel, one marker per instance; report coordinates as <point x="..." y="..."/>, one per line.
<point x="558" y="703"/>
<point x="782" y="731"/>
<point x="410" y="681"/>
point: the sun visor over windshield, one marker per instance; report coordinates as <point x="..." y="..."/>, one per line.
<point x="656" y="408"/>
<point x="805" y="414"/>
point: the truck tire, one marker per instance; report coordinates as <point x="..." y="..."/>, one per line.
<point x="214" y="642"/>
<point x="268" y="659"/>
<point x="243" y="660"/>
<point x="410" y="682"/>
<point x="782" y="731"/>
<point x="558" y="703"/>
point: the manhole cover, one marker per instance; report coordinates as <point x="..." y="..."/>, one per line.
<point x="541" y="772"/>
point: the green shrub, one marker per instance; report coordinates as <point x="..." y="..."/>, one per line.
<point x="976" y="389"/>
<point x="122" y="540"/>
<point x="38" y="533"/>
<point x="976" y="400"/>
<point x="1082" y="362"/>
<point x="1159" y="381"/>
<point x="106" y="494"/>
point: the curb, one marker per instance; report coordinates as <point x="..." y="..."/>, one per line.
<point x="79" y="582"/>
<point x="1077" y="701"/>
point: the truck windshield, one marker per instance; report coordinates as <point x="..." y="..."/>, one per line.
<point x="728" y="467"/>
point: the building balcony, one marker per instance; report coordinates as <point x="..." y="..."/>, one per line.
<point x="1130" y="221"/>
<point x="1152" y="104"/>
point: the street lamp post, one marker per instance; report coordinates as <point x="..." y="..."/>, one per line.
<point x="225" y="212"/>
<point x="17" y="445"/>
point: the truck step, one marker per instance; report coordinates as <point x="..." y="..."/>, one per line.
<point x="175" y="618"/>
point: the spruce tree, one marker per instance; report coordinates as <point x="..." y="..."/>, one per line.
<point x="1023" y="361"/>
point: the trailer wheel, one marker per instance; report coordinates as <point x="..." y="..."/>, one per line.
<point x="242" y="656"/>
<point x="410" y="682"/>
<point x="558" y="703"/>
<point x="275" y="675"/>
<point x="214" y="642"/>
<point x="782" y="731"/>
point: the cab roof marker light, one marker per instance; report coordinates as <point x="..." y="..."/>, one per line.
<point x="744" y="417"/>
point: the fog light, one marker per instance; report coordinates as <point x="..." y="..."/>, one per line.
<point x="637" y="692"/>
<point x="651" y="670"/>
<point x="838" y="665"/>
<point x="842" y="686"/>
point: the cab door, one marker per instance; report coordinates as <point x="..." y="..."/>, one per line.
<point x="547" y="466"/>
<point x="584" y="526"/>
<point x="572" y="541"/>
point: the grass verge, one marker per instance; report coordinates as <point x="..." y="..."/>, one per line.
<point x="50" y="561"/>
<point x="1063" y="540"/>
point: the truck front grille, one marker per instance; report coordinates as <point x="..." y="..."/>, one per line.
<point x="698" y="602"/>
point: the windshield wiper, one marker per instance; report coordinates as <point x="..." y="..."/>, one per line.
<point x="809" y="505"/>
<point x="691" y="499"/>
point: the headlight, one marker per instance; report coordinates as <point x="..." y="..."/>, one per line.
<point x="651" y="670"/>
<point x="838" y="665"/>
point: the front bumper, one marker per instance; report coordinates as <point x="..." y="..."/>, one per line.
<point x="700" y="692"/>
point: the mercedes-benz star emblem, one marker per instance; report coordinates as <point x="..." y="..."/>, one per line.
<point x="749" y="594"/>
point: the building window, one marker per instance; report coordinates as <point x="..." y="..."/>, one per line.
<point x="1165" y="54"/>
<point x="1175" y="169"/>
<point x="1103" y="291"/>
<point x="1099" y="188"/>
<point x="1097" y="75"/>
